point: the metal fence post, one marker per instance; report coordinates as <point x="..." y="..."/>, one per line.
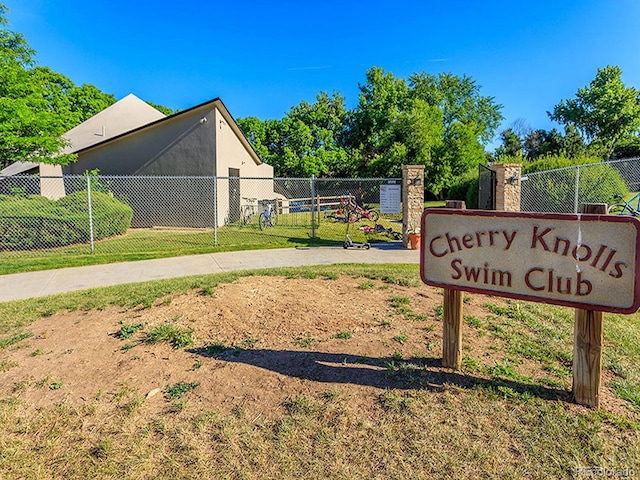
<point x="313" y="206"/>
<point x="577" y="190"/>
<point x="90" y="211"/>
<point x="215" y="211"/>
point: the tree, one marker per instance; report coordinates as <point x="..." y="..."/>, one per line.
<point x="38" y="105"/>
<point x="304" y="142"/>
<point x="469" y="122"/>
<point x="541" y="142"/>
<point x="372" y="127"/>
<point x="449" y="121"/>
<point x="603" y="112"/>
<point x="161" y="108"/>
<point x="460" y="101"/>
<point x="511" y="144"/>
<point x="573" y="145"/>
<point x="441" y="122"/>
<point x="627" y="147"/>
<point x="31" y="126"/>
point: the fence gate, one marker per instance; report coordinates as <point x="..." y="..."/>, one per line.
<point x="486" y="188"/>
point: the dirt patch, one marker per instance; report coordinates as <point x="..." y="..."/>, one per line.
<point x="258" y="343"/>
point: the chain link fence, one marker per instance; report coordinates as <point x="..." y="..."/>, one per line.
<point x="563" y="190"/>
<point x="138" y="214"/>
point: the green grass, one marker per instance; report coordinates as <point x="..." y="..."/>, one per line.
<point x="128" y="329"/>
<point x="401" y="338"/>
<point x="343" y="335"/>
<point x="168" y="332"/>
<point x="143" y="244"/>
<point x="178" y="390"/>
<point x="367" y="285"/>
<point x="305" y="341"/>
<point x="13" y="339"/>
<point x="472" y="321"/>
<point x="490" y="420"/>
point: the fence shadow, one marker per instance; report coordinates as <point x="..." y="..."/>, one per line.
<point x="413" y="373"/>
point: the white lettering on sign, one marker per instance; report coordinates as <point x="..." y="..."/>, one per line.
<point x="583" y="261"/>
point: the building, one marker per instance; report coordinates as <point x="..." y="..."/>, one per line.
<point x="131" y="138"/>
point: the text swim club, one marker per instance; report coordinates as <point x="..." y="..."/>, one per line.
<point x="576" y="260"/>
<point x="538" y="279"/>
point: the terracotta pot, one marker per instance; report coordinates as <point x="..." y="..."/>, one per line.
<point x="414" y="241"/>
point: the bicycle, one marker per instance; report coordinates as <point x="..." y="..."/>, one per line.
<point x="249" y="210"/>
<point x="625" y="208"/>
<point x="365" y="212"/>
<point x="356" y="212"/>
<point x="268" y="217"/>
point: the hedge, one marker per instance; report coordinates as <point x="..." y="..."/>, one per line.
<point x="33" y="222"/>
<point x="465" y="188"/>
<point x="554" y="191"/>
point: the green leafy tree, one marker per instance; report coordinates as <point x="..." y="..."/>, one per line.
<point x="573" y="145"/>
<point x="460" y="100"/>
<point x="37" y="104"/>
<point x="372" y="127"/>
<point x="304" y="142"/>
<point x="161" y="108"/>
<point x="30" y="129"/>
<point x="71" y="103"/>
<point x="512" y="144"/>
<point x="628" y="146"/>
<point x="604" y="112"/>
<point x="441" y="122"/>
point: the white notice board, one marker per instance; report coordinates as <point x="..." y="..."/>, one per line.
<point x="390" y="197"/>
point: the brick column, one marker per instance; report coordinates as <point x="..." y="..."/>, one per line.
<point x="412" y="199"/>
<point x="508" y="186"/>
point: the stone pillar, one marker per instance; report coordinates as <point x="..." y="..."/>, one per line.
<point x="508" y="186"/>
<point x="412" y="199"/>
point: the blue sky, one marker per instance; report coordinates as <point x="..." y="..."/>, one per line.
<point x="261" y="58"/>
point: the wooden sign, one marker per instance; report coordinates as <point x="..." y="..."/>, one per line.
<point x="583" y="261"/>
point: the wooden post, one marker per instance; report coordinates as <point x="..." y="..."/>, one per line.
<point x="587" y="343"/>
<point x="452" y="317"/>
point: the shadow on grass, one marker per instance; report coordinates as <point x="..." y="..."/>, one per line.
<point x="415" y="373"/>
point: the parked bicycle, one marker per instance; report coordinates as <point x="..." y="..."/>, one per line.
<point x="625" y="208"/>
<point x="356" y="212"/>
<point x="248" y="210"/>
<point x="269" y="216"/>
<point x="365" y="212"/>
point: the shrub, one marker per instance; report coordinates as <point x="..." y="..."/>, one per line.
<point x="465" y="188"/>
<point x="111" y="217"/>
<point x="553" y="162"/>
<point x="33" y="222"/>
<point x="555" y="191"/>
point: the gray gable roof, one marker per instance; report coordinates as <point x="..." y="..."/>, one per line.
<point x="125" y="115"/>
<point x="215" y="103"/>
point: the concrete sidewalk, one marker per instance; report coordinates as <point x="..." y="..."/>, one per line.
<point x="49" y="282"/>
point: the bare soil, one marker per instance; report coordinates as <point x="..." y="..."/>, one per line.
<point x="284" y="337"/>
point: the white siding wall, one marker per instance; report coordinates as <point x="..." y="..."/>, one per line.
<point x="231" y="153"/>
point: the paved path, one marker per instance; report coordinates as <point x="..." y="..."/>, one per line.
<point x="39" y="284"/>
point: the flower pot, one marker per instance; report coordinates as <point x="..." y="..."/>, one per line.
<point x="414" y="241"/>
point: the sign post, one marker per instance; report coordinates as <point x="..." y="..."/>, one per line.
<point x="452" y="317"/>
<point x="587" y="344"/>
<point x="588" y="261"/>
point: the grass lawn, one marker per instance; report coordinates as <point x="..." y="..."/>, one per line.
<point x="490" y="420"/>
<point x="142" y="244"/>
